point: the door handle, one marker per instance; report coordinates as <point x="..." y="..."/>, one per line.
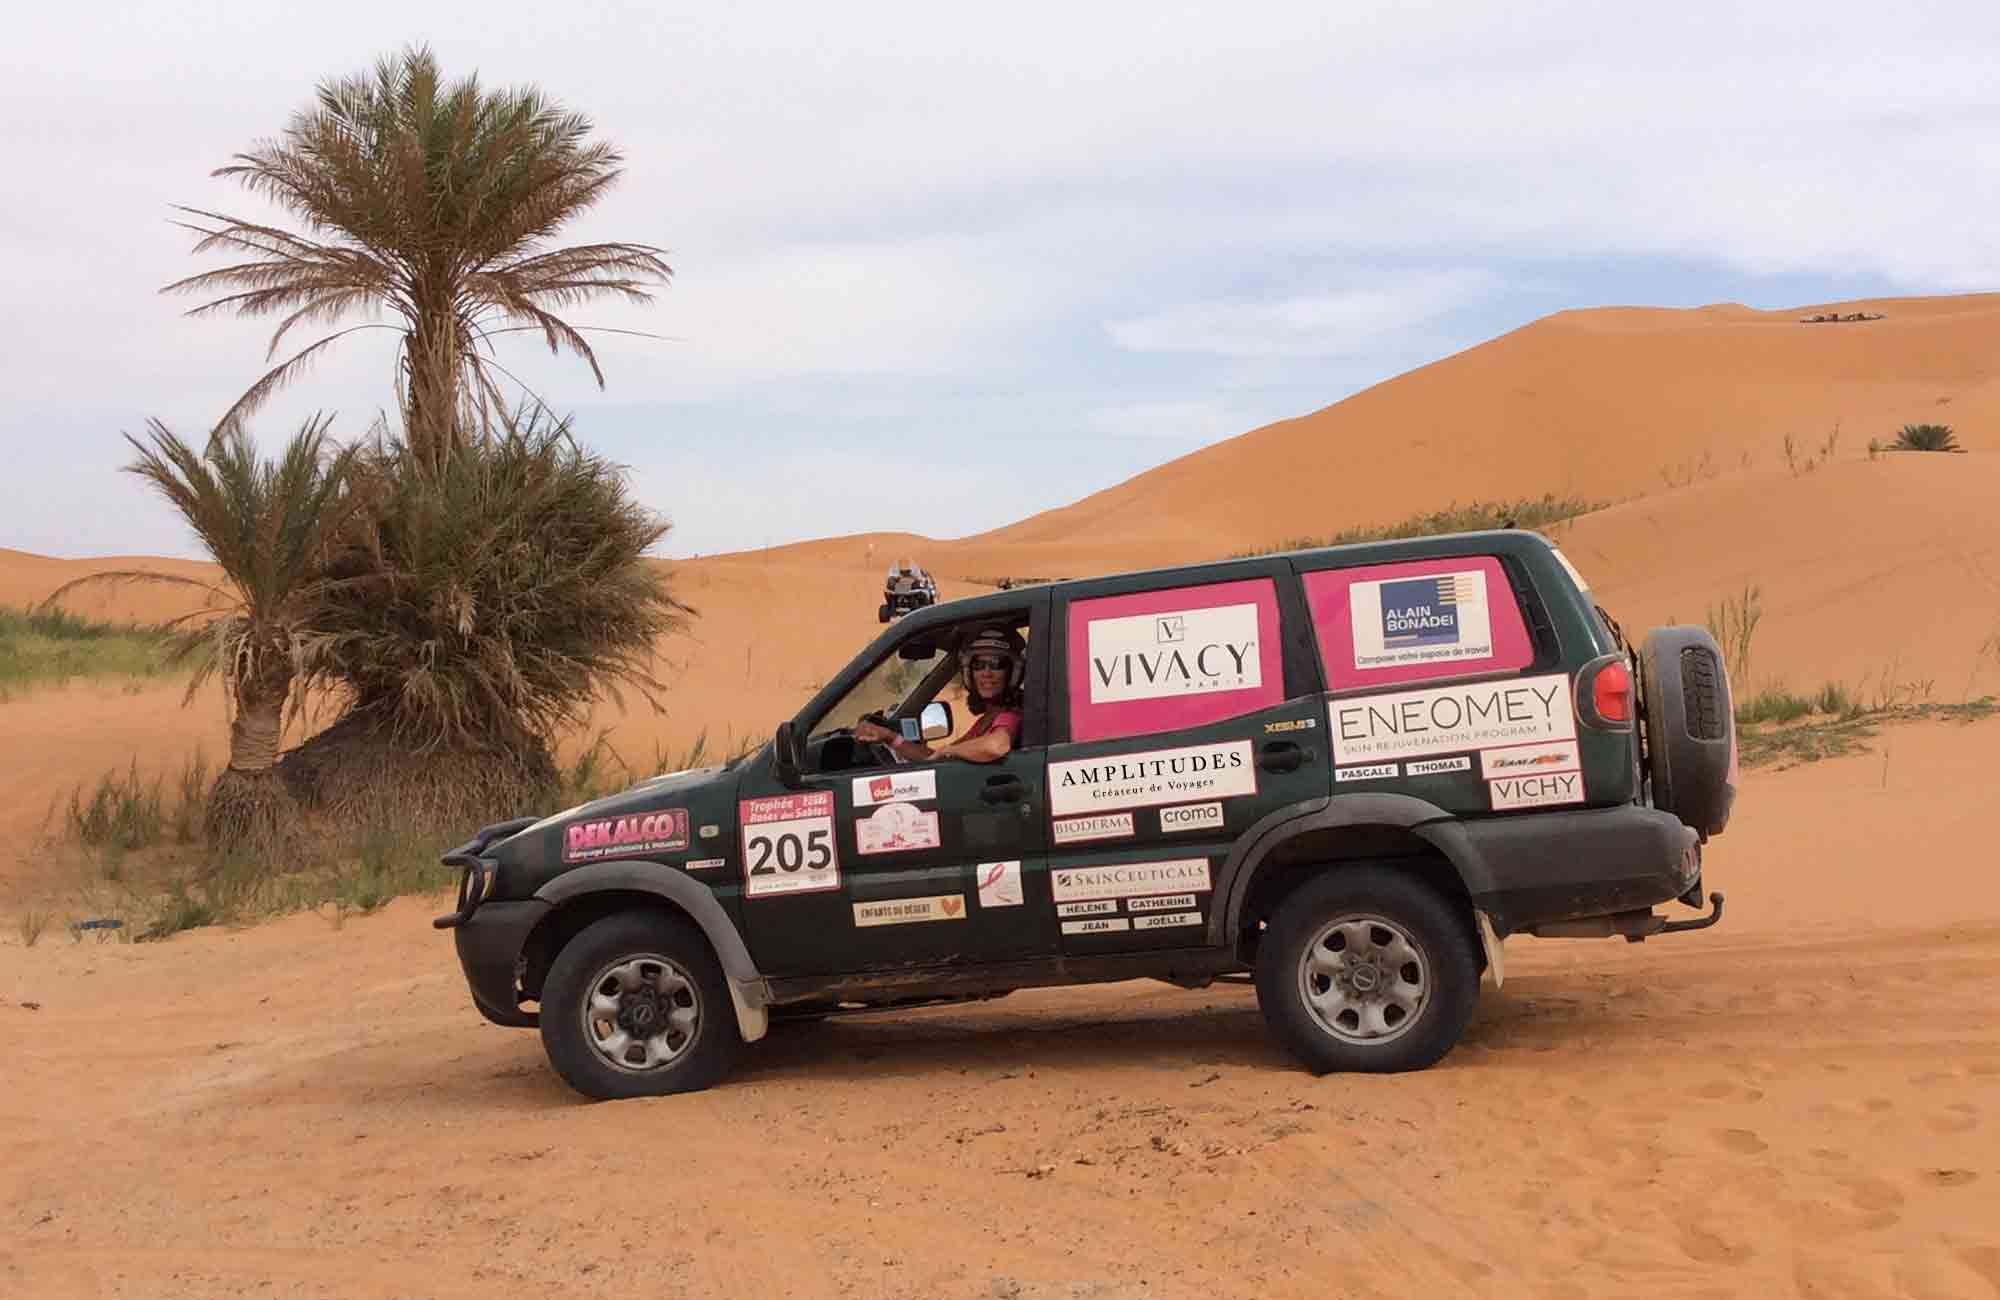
<point x="1003" y="789"/>
<point x="1283" y="756"/>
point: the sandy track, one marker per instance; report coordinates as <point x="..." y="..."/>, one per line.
<point x="1768" y="1108"/>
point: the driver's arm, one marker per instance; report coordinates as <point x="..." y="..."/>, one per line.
<point x="989" y="748"/>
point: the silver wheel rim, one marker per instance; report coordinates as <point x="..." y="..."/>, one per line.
<point x="1365" y="979"/>
<point x="642" y="1013"/>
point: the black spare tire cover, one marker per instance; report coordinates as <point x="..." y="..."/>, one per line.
<point x="1690" y="727"/>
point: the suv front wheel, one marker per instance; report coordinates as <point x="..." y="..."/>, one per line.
<point x="635" y="1006"/>
<point x="1366" y="969"/>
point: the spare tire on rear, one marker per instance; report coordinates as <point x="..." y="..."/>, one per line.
<point x="1690" y="727"/>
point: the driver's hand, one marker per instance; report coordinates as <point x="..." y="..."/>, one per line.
<point x="873" y="733"/>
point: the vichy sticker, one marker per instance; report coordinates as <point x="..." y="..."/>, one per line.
<point x="1159" y="903"/>
<point x="1151" y="777"/>
<point x="611" y="837"/>
<point x="896" y="828"/>
<point x="1162" y="920"/>
<point x="1436" y="618"/>
<point x="1106" y="826"/>
<point x="1480" y="715"/>
<point x="1524" y="759"/>
<point x="1094" y="907"/>
<point x="999" y="884"/>
<point x="1366" y="772"/>
<point x="788" y="844"/>
<point x="1536" y="791"/>
<point x="903" y="911"/>
<point x="707" y="864"/>
<point x="1191" y="817"/>
<point x="1097" y="925"/>
<point x="894" y="787"/>
<point x="1173" y="653"/>
<point x="1126" y="879"/>
<point x="1433" y="766"/>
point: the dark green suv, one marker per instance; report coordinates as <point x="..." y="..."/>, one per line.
<point x="1346" y="774"/>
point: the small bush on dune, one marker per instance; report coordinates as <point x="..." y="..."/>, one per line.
<point x="50" y="644"/>
<point x="1926" y="437"/>
<point x="1529" y="512"/>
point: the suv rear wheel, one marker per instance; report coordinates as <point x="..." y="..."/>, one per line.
<point x="1367" y="969"/>
<point x="635" y="1006"/>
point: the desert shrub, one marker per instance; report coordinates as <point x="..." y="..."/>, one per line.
<point x="1926" y="437"/>
<point x="1529" y="512"/>
<point x="1773" y="704"/>
<point x="122" y="812"/>
<point x="50" y="644"/>
<point x="1733" y="624"/>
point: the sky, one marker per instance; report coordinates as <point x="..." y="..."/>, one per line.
<point x="940" y="267"/>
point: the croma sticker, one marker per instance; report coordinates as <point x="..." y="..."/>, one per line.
<point x="904" y="911"/>
<point x="1191" y="817"/>
<point x="610" y="837"/>
<point x="896" y="828"/>
<point x="1536" y="791"/>
<point x="1434" y="766"/>
<point x="1482" y="715"/>
<point x="1524" y="759"/>
<point x="788" y="845"/>
<point x="1173" y="653"/>
<point x="999" y="884"/>
<point x="894" y="787"/>
<point x="1151" y="777"/>
<point x="1434" y="618"/>
<point x="1129" y="878"/>
<point x="1077" y="830"/>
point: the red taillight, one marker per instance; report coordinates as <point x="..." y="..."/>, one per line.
<point x="1611" y="692"/>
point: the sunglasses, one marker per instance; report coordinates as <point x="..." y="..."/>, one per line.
<point x="988" y="663"/>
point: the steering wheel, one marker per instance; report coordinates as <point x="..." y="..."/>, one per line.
<point x="866" y="753"/>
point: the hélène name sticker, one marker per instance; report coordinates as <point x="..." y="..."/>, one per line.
<point x="1092" y="907"/>
<point x="788" y="845"/>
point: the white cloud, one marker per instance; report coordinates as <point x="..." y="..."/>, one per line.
<point x="1329" y="324"/>
<point x="1192" y="422"/>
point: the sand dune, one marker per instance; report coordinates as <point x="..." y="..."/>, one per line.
<point x="1800" y="1102"/>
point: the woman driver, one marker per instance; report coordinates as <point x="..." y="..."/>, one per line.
<point x="991" y="665"/>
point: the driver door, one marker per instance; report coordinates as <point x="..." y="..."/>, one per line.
<point x="923" y="863"/>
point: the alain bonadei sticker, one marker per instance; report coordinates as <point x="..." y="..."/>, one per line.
<point x="1432" y="619"/>
<point x="610" y="837"/>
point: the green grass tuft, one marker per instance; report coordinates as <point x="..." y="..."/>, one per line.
<point x="1475" y="516"/>
<point x="45" y="646"/>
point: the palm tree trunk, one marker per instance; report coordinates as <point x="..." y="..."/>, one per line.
<point x="249" y="803"/>
<point x="436" y="370"/>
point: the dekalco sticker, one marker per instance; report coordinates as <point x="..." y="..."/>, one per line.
<point x="894" y="787"/>
<point x="608" y="837"/>
<point x="1075" y="830"/>
<point x="1151" y="777"/>
<point x="1524" y="710"/>
<point x="1127" y="879"/>
<point x="1173" y="653"/>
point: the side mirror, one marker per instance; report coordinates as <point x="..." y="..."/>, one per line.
<point x="935" y="721"/>
<point x="787" y="764"/>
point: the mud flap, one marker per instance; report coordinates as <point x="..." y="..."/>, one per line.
<point x="753" y="1021"/>
<point x="1496" y="964"/>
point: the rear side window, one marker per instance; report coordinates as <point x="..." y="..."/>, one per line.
<point x="1163" y="660"/>
<point x="1420" y="620"/>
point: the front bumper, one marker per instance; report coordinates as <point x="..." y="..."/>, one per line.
<point x="489" y="949"/>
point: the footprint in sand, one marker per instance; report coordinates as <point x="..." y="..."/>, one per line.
<point x="1740" y="1140"/>
<point x="1873" y="1194"/>
<point x="1959" y="1117"/>
<point x="1950" y="1177"/>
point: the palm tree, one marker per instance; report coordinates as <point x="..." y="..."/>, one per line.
<point x="271" y="526"/>
<point x="434" y="202"/>
<point x="1926" y="437"/>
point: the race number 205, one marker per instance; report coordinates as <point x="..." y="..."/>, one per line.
<point x="788" y="845"/>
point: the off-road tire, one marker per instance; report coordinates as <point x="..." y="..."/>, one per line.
<point x="1448" y="962"/>
<point x="1690" y="731"/>
<point x="587" y="960"/>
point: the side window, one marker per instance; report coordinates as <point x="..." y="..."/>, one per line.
<point x="1420" y="620"/>
<point x="1162" y="660"/>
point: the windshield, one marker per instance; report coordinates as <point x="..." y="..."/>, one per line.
<point x="887" y="685"/>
